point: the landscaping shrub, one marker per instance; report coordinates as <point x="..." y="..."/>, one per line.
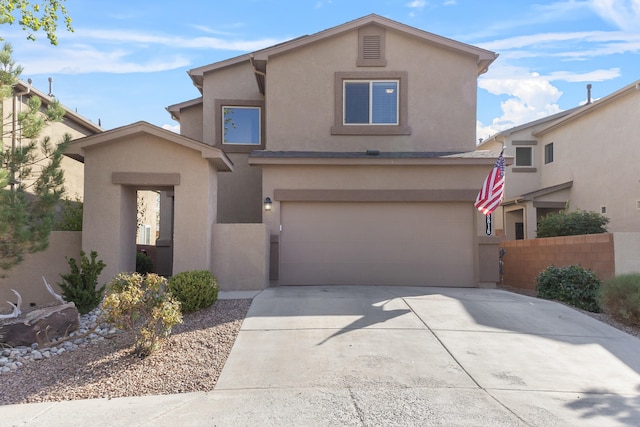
<point x="70" y="216"/>
<point x="143" y="305"/>
<point x="194" y="289"/>
<point x="574" y="285"/>
<point x="620" y="297"/>
<point x="144" y="263"/>
<point x="81" y="285"/>
<point x="571" y="224"/>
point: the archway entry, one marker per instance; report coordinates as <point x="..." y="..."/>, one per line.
<point x="122" y="161"/>
<point x="154" y="234"/>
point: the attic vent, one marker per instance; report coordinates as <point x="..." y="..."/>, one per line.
<point x="371" y="46"/>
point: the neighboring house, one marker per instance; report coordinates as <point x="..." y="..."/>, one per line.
<point x="72" y="123"/>
<point x="354" y="149"/>
<point x="26" y="278"/>
<point x="583" y="158"/>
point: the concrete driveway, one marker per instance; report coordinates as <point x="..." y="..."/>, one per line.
<point x="384" y="356"/>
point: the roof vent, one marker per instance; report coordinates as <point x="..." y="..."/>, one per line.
<point x="371" y="47"/>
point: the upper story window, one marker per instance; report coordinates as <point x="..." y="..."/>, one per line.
<point x="523" y="157"/>
<point x="548" y="153"/>
<point x="370" y="102"/>
<point x="241" y="125"/>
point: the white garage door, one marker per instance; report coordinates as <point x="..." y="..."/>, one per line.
<point x="422" y="244"/>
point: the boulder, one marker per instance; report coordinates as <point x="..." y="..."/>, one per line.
<point x="41" y="325"/>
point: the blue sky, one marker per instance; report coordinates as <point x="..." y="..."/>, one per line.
<point x="127" y="60"/>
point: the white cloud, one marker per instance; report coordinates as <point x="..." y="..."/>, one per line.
<point x="624" y="14"/>
<point x="131" y="36"/>
<point x="449" y="3"/>
<point x="172" y="128"/>
<point x="531" y="97"/>
<point x="591" y="76"/>
<point x="87" y="59"/>
<point x="417" y="4"/>
<point x="568" y="46"/>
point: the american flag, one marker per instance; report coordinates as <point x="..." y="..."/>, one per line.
<point x="492" y="191"/>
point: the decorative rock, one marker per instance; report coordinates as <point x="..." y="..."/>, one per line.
<point x="42" y="324"/>
<point x="20" y="355"/>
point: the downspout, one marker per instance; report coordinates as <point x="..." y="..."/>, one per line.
<point x="14" y="130"/>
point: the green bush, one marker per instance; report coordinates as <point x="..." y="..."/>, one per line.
<point x="144" y="263"/>
<point x="620" y="297"/>
<point x="194" y="289"/>
<point x="70" y="216"/>
<point x="574" y="285"/>
<point x="143" y="305"/>
<point x="81" y="285"/>
<point x="571" y="224"/>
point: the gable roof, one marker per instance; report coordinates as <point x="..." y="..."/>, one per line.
<point x="25" y="89"/>
<point x="579" y="112"/>
<point x="259" y="58"/>
<point x="215" y="155"/>
<point x="511" y="131"/>
<point x="176" y="109"/>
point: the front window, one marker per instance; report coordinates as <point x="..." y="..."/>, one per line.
<point x="523" y="156"/>
<point x="373" y="102"/>
<point x="548" y="153"/>
<point x="241" y="125"/>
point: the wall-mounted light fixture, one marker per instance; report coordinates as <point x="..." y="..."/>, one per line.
<point x="267" y="204"/>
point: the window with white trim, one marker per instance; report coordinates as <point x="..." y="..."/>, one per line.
<point x="524" y="157"/>
<point x="241" y="125"/>
<point x="370" y="102"/>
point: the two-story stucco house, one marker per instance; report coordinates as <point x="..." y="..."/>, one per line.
<point x="73" y="124"/>
<point x="583" y="158"/>
<point x="354" y="147"/>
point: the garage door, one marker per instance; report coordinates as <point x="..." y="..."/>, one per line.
<point x="422" y="244"/>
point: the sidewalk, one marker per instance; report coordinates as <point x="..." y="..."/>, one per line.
<point x="372" y="356"/>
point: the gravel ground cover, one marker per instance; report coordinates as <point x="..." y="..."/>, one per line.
<point x="190" y="360"/>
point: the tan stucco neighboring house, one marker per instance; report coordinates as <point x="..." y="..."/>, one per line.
<point x="362" y="136"/>
<point x="73" y="124"/>
<point x="26" y="278"/>
<point x="583" y="158"/>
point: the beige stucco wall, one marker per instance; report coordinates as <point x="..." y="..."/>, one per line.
<point x="109" y="211"/>
<point x="237" y="82"/>
<point x="191" y="122"/>
<point x="598" y="151"/>
<point x="240" y="256"/>
<point x="441" y="104"/>
<point x="26" y="278"/>
<point x="626" y="246"/>
<point x="240" y="192"/>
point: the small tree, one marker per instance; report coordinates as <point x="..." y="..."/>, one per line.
<point x="81" y="284"/>
<point x="31" y="178"/>
<point x="574" y="223"/>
